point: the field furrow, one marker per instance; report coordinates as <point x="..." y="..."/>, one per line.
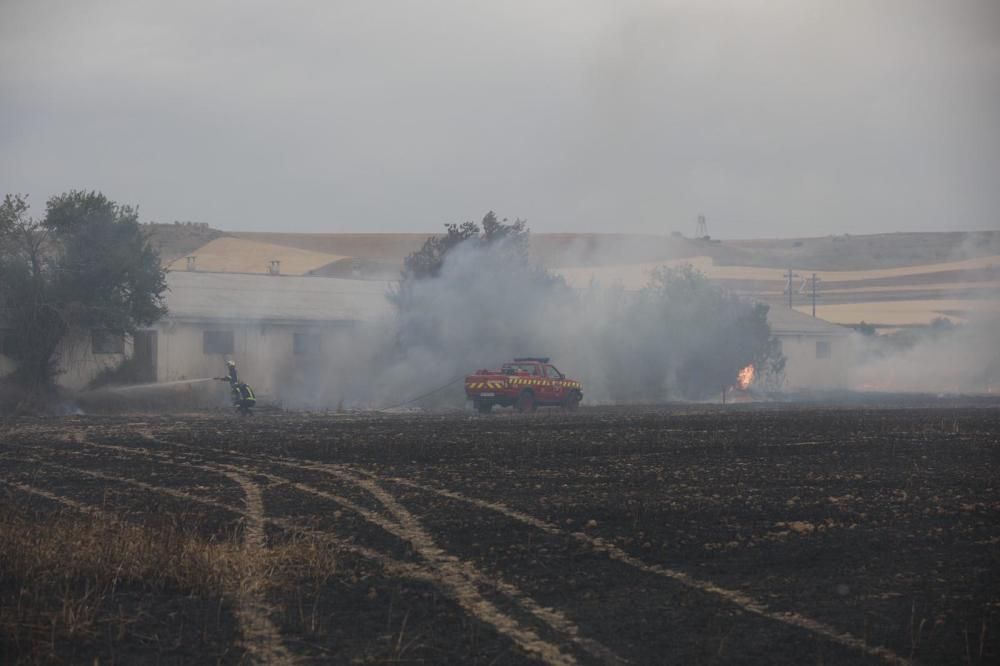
<point x="651" y="535"/>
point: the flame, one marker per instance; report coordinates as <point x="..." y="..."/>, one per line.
<point x="745" y="377"/>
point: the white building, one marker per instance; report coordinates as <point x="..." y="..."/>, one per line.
<point x="273" y="326"/>
<point x="817" y="352"/>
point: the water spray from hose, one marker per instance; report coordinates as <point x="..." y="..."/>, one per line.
<point x="154" y="385"/>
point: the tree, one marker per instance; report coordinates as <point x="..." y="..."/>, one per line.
<point x="466" y="299"/>
<point x="509" y="237"/>
<point x="501" y="247"/>
<point x="85" y="267"/>
<point x="717" y="332"/>
<point x="866" y="329"/>
<point x="33" y="325"/>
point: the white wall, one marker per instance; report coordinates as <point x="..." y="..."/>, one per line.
<point x="804" y="370"/>
<point x="264" y="354"/>
<point x="77" y="364"/>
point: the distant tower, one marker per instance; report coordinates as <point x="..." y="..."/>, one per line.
<point x="702" y="229"/>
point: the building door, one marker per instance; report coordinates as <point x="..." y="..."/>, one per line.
<point x="144" y="356"/>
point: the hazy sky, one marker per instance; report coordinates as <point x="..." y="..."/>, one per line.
<point x="772" y="118"/>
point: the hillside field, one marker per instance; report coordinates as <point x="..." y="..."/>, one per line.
<point x="891" y="279"/>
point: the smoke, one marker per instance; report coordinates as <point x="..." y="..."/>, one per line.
<point x="484" y="308"/>
<point x="945" y="357"/>
<point x="963" y="359"/>
<point x="680" y="337"/>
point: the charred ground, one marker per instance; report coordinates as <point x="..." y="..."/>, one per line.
<point x="644" y="535"/>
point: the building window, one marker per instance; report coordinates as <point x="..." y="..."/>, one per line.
<point x="217" y="342"/>
<point x="7" y="343"/>
<point x="306" y="343"/>
<point x="822" y="349"/>
<point x="105" y="342"/>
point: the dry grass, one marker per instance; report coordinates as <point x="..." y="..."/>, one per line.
<point x="375" y="246"/>
<point x="635" y="276"/>
<point x="237" y="255"/>
<point x="75" y="587"/>
<point x="67" y="581"/>
<point x="903" y="313"/>
<point x="944" y="288"/>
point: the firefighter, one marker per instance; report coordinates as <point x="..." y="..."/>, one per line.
<point x="231" y="372"/>
<point x="243" y="398"/>
<point x="242" y="393"/>
<point x="231" y="375"/>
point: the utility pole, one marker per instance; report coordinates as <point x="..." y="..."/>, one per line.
<point x="790" y="276"/>
<point x="814" y="281"/>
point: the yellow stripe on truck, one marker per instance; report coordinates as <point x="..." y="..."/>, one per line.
<point x="487" y="384"/>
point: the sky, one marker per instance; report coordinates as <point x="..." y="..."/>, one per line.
<point x="772" y="118"/>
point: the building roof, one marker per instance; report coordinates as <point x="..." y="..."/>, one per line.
<point x="786" y="321"/>
<point x="196" y="296"/>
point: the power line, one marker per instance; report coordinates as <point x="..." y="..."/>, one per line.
<point x="790" y="276"/>
<point x="814" y="281"/>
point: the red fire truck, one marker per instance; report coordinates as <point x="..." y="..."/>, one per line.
<point x="524" y="383"/>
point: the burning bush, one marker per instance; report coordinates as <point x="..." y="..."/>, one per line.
<point x="683" y="336"/>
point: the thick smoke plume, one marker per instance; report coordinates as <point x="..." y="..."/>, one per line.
<point x="963" y="358"/>
<point x="680" y="337"/>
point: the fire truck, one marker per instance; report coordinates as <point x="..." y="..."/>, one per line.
<point x="525" y="384"/>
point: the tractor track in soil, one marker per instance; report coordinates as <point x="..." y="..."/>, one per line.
<point x="398" y="527"/>
<point x="455" y="579"/>
<point x="454" y="575"/>
<point x="458" y="579"/>
<point x="261" y="639"/>
<point x="413" y="533"/>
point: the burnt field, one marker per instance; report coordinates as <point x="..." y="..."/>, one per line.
<point x="667" y="535"/>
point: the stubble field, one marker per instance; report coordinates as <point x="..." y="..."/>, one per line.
<point x="619" y="535"/>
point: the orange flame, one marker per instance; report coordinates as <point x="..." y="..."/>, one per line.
<point x="745" y="377"/>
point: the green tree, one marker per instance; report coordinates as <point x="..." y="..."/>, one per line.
<point x="469" y="298"/>
<point x="866" y="329"/>
<point x="502" y="235"/>
<point x="86" y="266"/>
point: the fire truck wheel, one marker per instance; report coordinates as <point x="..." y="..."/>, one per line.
<point x="483" y="407"/>
<point x="572" y="401"/>
<point x="526" y="402"/>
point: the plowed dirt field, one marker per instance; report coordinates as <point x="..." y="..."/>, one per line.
<point x="642" y="535"/>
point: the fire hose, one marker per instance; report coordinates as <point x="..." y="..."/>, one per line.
<point x="424" y="395"/>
